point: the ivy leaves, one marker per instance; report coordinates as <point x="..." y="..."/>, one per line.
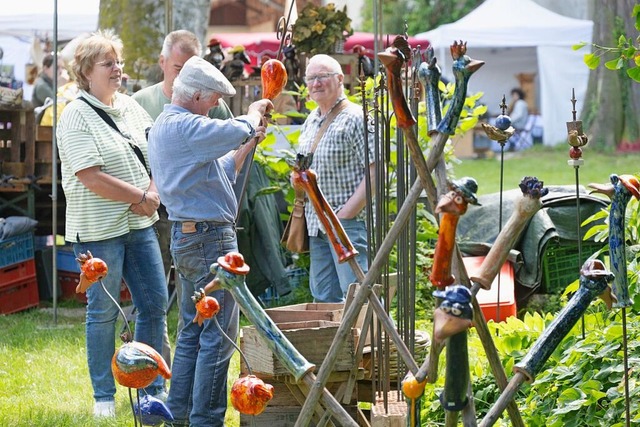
<point x="626" y="55"/>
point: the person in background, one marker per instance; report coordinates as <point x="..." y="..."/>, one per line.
<point x="43" y="86"/>
<point x="519" y="112"/>
<point x="518" y="109"/>
<point x="195" y="160"/>
<point x="341" y="166"/>
<point x="111" y="208"/>
<point x="178" y="47"/>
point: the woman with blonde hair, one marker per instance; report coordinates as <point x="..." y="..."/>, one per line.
<point x="111" y="207"/>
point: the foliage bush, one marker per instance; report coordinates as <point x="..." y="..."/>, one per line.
<point x="581" y="383"/>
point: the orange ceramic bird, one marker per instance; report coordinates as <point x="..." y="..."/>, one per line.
<point x="250" y="395"/>
<point x="92" y="269"/>
<point x="136" y="365"/>
<point x="206" y="306"/>
<point x="274" y="77"/>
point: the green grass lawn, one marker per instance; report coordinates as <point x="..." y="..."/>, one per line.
<point x="44" y="379"/>
<point x="548" y="165"/>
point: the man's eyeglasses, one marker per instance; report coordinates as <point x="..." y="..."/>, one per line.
<point x="111" y="64"/>
<point x="320" y="77"/>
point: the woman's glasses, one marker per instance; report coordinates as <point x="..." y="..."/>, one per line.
<point x="111" y="64"/>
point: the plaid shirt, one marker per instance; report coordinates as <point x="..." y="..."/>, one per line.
<point x="339" y="159"/>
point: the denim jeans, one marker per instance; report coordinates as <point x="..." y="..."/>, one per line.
<point x="328" y="279"/>
<point x="198" y="392"/>
<point x="135" y="257"/>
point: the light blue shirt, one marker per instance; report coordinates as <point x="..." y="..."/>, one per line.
<point x="191" y="160"/>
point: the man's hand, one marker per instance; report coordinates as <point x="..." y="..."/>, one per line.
<point x="261" y="134"/>
<point x="262" y="107"/>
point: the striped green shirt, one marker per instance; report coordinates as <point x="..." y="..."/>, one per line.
<point x="85" y="140"/>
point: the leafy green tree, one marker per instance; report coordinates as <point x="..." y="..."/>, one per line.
<point x="612" y="106"/>
<point x="143" y="24"/>
<point x="421" y="15"/>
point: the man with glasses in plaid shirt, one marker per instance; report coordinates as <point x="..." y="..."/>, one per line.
<point x="341" y="165"/>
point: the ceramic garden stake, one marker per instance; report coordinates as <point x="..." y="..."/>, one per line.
<point x="451" y="205"/>
<point x="622" y="188"/>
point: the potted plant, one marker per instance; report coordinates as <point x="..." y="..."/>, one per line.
<point x="321" y="29"/>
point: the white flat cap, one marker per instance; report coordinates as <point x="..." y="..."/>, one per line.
<point x="200" y="74"/>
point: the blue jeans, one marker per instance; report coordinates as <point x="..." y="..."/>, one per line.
<point x="198" y="392"/>
<point x="328" y="279"/>
<point x="135" y="257"/>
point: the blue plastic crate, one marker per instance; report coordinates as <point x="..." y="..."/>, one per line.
<point x="16" y="249"/>
<point x="66" y="260"/>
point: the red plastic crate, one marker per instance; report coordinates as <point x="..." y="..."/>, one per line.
<point x="69" y="281"/>
<point x="494" y="306"/>
<point x="17" y="272"/>
<point x="19" y="295"/>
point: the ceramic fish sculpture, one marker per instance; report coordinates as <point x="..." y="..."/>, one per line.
<point x="136" y="365"/>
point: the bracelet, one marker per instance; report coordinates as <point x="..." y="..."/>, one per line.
<point x="144" y="198"/>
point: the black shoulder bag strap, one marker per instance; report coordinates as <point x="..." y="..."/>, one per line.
<point x="104" y="116"/>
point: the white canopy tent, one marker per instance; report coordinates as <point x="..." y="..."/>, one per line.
<point x="22" y="20"/>
<point x="519" y="36"/>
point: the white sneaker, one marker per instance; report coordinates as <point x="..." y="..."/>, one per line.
<point x="104" y="409"/>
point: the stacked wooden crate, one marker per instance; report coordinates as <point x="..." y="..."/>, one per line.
<point x="311" y="329"/>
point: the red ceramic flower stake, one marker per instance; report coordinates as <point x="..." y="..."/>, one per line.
<point x="135" y="364"/>
<point x="91" y="270"/>
<point x="273" y="75"/>
<point x="249" y="394"/>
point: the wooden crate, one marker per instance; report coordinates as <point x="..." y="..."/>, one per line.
<point x="311" y="338"/>
<point x="330" y="312"/>
<point x="285" y="416"/>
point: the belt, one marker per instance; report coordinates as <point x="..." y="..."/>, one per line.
<point x="190" y="226"/>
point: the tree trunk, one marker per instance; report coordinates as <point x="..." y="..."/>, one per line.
<point x="143" y="25"/>
<point x="192" y="15"/>
<point x="612" y="106"/>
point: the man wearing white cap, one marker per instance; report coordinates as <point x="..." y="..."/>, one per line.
<point x="194" y="161"/>
<point x="177" y="48"/>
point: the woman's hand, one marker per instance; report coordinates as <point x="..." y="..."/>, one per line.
<point x="148" y="205"/>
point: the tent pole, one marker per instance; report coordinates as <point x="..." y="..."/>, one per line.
<point x="54" y="170"/>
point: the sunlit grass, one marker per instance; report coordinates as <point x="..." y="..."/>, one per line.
<point x="44" y="379"/>
<point x="548" y="165"/>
